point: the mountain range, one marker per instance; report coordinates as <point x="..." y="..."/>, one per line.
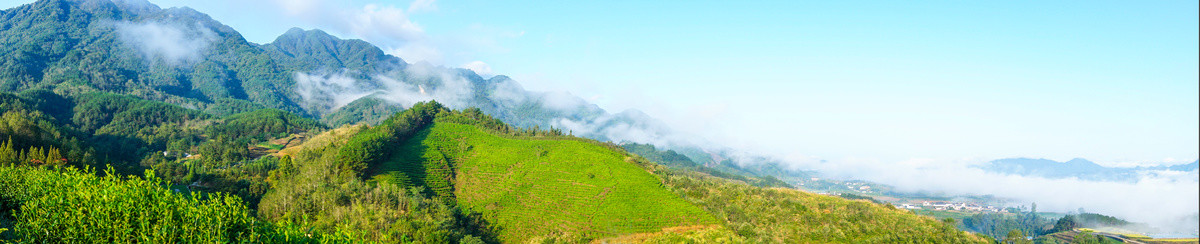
<point x="1078" y="168"/>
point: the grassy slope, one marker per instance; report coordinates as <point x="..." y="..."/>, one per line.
<point x="779" y="215"/>
<point x="334" y="136"/>
<point x="531" y="188"/>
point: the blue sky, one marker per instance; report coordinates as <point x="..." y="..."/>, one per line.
<point x="1112" y="81"/>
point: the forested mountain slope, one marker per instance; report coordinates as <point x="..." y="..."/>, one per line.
<point x="175" y="55"/>
<point x="184" y="57"/>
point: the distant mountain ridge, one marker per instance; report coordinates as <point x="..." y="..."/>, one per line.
<point x="1077" y="168"/>
<point x="176" y="55"/>
<point x="316" y="50"/>
<point x="1178" y="167"/>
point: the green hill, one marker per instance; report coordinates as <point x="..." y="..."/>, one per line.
<point x="531" y="187"/>
<point x="369" y="110"/>
<point x="528" y="185"/>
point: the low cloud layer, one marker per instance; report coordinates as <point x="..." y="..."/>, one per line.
<point x="166" y="42"/>
<point x="627" y="126"/>
<point x="328" y="92"/>
<point x="505" y="98"/>
<point x="445" y="87"/>
<point x="1165" y="200"/>
<point x="481" y="68"/>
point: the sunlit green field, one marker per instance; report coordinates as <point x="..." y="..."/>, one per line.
<point x="529" y="187"/>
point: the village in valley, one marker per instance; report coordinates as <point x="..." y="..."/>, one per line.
<point x="951" y="206"/>
<point x="857" y="189"/>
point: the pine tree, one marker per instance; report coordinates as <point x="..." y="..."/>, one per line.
<point x="34" y="156"/>
<point x="8" y="156"/>
<point x="54" y="157"/>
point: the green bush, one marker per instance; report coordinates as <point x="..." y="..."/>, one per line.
<point x="368" y="147"/>
<point x="70" y="205"/>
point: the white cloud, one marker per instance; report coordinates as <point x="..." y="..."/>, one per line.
<point x="298" y="7"/>
<point x="380" y="23"/>
<point x="628" y="126"/>
<point x="508" y="91"/>
<point x="447" y="88"/>
<point x="421" y="6"/>
<point x="480" y="68"/>
<point x="327" y="92"/>
<point x="562" y="101"/>
<point x="170" y="43"/>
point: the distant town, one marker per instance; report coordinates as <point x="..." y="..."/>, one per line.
<point x="881" y="192"/>
<point x="955" y="206"/>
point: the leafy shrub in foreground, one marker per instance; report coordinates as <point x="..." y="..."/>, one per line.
<point x="70" y="205"/>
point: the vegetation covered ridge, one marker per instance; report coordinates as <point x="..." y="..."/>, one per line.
<point x="527" y="183"/>
<point x="531" y="188"/>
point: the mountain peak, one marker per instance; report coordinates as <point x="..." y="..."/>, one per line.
<point x="293" y="31"/>
<point x="499" y="78"/>
<point x="298" y="33"/>
<point x="1079" y="161"/>
<point x="317" y="50"/>
<point x="135" y="7"/>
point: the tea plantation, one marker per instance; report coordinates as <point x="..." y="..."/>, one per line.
<point x="537" y="187"/>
